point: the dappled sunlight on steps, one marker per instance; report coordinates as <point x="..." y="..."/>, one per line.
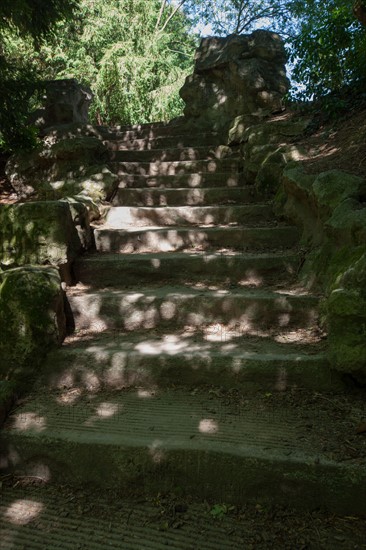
<point x="196" y="358"/>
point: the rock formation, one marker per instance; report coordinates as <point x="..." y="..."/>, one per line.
<point x="236" y="75"/>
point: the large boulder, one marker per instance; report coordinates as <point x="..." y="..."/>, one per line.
<point x="59" y="168"/>
<point x="39" y="233"/>
<point x="236" y="75"/>
<point x="65" y="101"/>
<point x="32" y="321"/>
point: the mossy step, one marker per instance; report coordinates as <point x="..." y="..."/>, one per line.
<point x="178" y="239"/>
<point x="115" y="143"/>
<point x="120" y="217"/>
<point x="167" y="154"/>
<point x="191" y="180"/>
<point x="171" y="168"/>
<point x="184" y="197"/>
<point x="231" y="449"/>
<point x="245" y="269"/>
<point x="246" y="311"/>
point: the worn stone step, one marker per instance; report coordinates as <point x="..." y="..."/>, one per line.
<point x="245" y="269"/>
<point x="172" y="154"/>
<point x="248" y="311"/>
<point x="49" y="517"/>
<point x="123" y="216"/>
<point x="179" y="239"/>
<point x="250" y="361"/>
<point x="233" y="450"/>
<point x="214" y="179"/>
<point x="146" y="131"/>
<point x="187" y="196"/>
<point x="178" y="141"/>
<point x="172" y="168"/>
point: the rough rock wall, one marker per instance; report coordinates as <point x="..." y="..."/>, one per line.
<point x="236" y="75"/>
<point x="65" y="102"/>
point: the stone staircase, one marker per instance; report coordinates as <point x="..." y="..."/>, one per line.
<point x="196" y="360"/>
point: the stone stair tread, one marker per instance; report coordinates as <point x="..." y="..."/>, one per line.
<point x="184" y="196"/>
<point x="168" y="154"/>
<point x="119" y="258"/>
<point x="181" y="141"/>
<point x="265" y="226"/>
<point x="191" y="180"/>
<point x="253" y="440"/>
<point x="192" y="342"/>
<point x="156" y="168"/>
<point x="56" y="514"/>
<point x="302" y="294"/>
<point x="188" y="358"/>
<point x="123" y="521"/>
<point x="176" y="415"/>
<point x="118" y="216"/>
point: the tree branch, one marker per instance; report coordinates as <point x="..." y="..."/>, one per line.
<point x="162" y="8"/>
<point x="172" y="15"/>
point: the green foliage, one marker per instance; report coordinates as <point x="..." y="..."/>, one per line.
<point x="133" y="55"/>
<point x="218" y="511"/>
<point x="23" y="23"/>
<point x="240" y="16"/>
<point x="328" y="50"/>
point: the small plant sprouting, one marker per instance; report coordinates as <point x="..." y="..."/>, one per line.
<point x="220" y="510"/>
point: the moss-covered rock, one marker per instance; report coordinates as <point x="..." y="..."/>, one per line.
<point x="347" y="224"/>
<point x="332" y="187"/>
<point x="65" y="167"/>
<point x="32" y="320"/>
<point x="38" y="233"/>
<point x="269" y="173"/>
<point x="331" y="212"/>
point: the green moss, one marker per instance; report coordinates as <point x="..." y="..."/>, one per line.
<point x="37" y="233"/>
<point x="31" y="318"/>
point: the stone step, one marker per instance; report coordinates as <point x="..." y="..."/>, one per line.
<point x="141" y="196"/>
<point x="193" y="180"/>
<point x="178" y="141"/>
<point x="191" y="358"/>
<point x="172" y="168"/>
<point x="170" y="308"/>
<point x="180" y="239"/>
<point x="148" y="131"/>
<point x="167" y="155"/>
<point x="123" y="216"/>
<point x="120" y="270"/>
<point x="229" y="448"/>
<point x="133" y="522"/>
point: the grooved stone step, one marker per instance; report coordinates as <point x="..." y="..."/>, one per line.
<point x="54" y="518"/>
<point x="149" y="143"/>
<point x="214" y="179"/>
<point x="227" y="450"/>
<point x="160" y="239"/>
<point x="245" y="310"/>
<point x="101" y="270"/>
<point x="166" y="168"/>
<point x="185" y="196"/>
<point x="122" y="216"/>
